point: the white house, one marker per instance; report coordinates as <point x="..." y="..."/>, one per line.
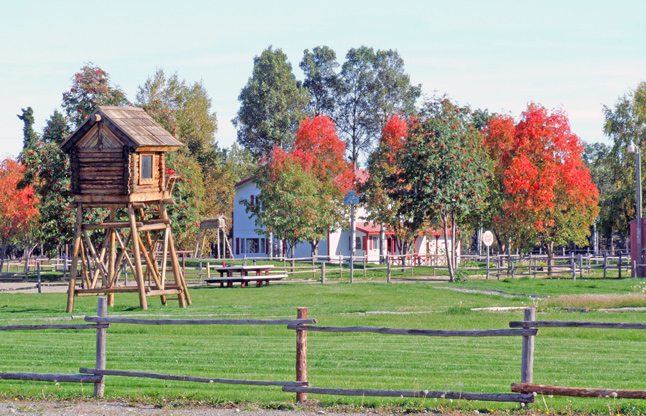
<point x="429" y="248"/>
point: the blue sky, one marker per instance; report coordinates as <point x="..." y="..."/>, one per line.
<point x="499" y="55"/>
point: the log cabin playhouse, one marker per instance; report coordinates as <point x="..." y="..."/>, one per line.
<point x="117" y="161"/>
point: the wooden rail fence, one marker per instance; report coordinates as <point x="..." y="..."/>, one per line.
<point x="523" y="392"/>
<point x="499" y="266"/>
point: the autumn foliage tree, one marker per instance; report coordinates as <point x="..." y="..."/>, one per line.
<point x="91" y="88"/>
<point x="17" y="206"/>
<point x="547" y="195"/>
<point x="383" y="207"/>
<point x="301" y="191"/>
<point x="437" y="172"/>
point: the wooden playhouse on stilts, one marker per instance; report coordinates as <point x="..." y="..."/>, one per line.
<point x="117" y="162"/>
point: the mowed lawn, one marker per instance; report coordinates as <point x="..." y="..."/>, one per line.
<point x="591" y="358"/>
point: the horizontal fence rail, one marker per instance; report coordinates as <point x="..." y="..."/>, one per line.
<point x="423" y="394"/>
<point x="575" y="324"/>
<point x="423" y="332"/>
<point x="56" y="378"/>
<point x="199" y="321"/>
<point x="52" y="326"/>
<point x="189" y="378"/>
<point x="577" y="392"/>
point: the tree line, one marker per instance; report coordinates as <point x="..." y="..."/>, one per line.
<point x="431" y="162"/>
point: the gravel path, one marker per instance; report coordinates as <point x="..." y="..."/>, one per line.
<point x="47" y="408"/>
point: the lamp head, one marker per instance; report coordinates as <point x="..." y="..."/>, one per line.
<point x="632" y="148"/>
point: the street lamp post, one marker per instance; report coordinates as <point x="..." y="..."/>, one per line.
<point x="632" y="148"/>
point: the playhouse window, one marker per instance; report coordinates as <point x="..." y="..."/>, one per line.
<point x="146" y="168"/>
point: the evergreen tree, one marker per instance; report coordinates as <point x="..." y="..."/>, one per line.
<point x="29" y="135"/>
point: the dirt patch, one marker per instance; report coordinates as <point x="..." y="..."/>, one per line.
<point x="32" y="287"/>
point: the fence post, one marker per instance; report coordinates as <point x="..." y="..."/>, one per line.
<point x="573" y="264"/>
<point x="527" y="364"/>
<point x="208" y="270"/>
<point x="102" y="311"/>
<point x="313" y="268"/>
<point x="323" y="272"/>
<point x="301" y="355"/>
<point x="39" y="281"/>
<point x="581" y="266"/>
<point x="388" y="266"/>
<point x="511" y="263"/>
<point x="605" y="264"/>
<point x="619" y="265"/>
<point x="365" y="265"/>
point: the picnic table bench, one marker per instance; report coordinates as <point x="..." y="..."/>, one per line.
<point x="261" y="274"/>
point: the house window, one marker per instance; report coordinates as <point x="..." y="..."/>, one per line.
<point x="253" y="245"/>
<point x="375" y="242"/>
<point x="357" y="243"/>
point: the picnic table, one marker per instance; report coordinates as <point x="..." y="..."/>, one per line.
<point x="261" y="274"/>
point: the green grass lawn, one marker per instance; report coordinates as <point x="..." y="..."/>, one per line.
<point x="567" y="357"/>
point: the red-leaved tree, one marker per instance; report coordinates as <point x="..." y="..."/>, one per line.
<point x="301" y="191"/>
<point x="546" y="195"/>
<point x="379" y="190"/>
<point x="17" y="206"/>
<point x="432" y="170"/>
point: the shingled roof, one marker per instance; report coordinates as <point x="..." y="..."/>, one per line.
<point x="131" y="124"/>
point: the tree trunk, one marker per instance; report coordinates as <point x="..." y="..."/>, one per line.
<point x="549" y="250"/>
<point x="29" y="248"/>
<point x="447" y="251"/>
<point x="315" y="247"/>
<point x="2" y="253"/>
<point x="454" y="246"/>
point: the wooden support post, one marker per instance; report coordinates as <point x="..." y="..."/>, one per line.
<point x="112" y="256"/>
<point x="165" y="256"/>
<point x="208" y="270"/>
<point x="573" y="264"/>
<point x="301" y="355"/>
<point x="184" y="297"/>
<point x="139" y="273"/>
<point x="527" y="364"/>
<point x="619" y="265"/>
<point x="102" y="311"/>
<point x="313" y="268"/>
<point x="581" y="266"/>
<point x="75" y="259"/>
<point x="323" y="272"/>
<point x="388" y="272"/>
